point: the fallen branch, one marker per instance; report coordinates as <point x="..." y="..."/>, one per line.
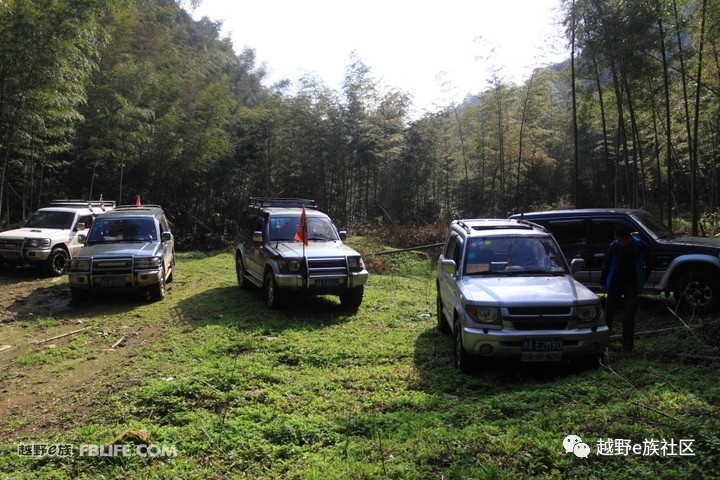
<point x="39" y="342"/>
<point x="119" y="342"/>
<point x="422" y="247"/>
<point x="5" y="347"/>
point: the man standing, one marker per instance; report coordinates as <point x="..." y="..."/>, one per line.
<point x="623" y="275"/>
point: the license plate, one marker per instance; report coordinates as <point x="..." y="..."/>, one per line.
<point x="541" y="350"/>
<point x="331" y="282"/>
<point x="112" y="282"/>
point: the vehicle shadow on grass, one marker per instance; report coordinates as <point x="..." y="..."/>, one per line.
<point x="437" y="374"/>
<point x="245" y="310"/>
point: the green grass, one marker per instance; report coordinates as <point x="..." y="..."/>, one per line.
<point x="312" y="392"/>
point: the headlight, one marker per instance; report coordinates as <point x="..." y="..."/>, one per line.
<point x="80" y="265"/>
<point x="290" y="265"/>
<point x="147" y="263"/>
<point x="588" y="313"/>
<point x="356" y="264"/>
<point x="37" y="242"/>
<point x="483" y="314"/>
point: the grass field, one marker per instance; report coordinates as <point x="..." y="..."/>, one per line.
<point x="235" y="390"/>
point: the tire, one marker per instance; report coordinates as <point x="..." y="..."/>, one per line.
<point x="352" y="298"/>
<point x="698" y="292"/>
<point x="442" y="324"/>
<point x="158" y="291"/>
<point x="274" y="297"/>
<point x="243" y="282"/>
<point x="78" y="296"/>
<point x="56" y="263"/>
<point x="463" y="360"/>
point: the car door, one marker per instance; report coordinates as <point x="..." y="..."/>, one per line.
<point x="449" y="292"/>
<point x="602" y="234"/>
<point x="74" y="245"/>
<point x="168" y="246"/>
<point x="254" y="256"/>
<point x="572" y="236"/>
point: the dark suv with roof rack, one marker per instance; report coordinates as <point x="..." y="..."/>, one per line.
<point x="128" y="248"/>
<point x="505" y="290"/>
<point x="688" y="267"/>
<point x="288" y="245"/>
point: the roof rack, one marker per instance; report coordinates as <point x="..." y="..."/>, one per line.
<point x="102" y="204"/>
<point x="259" y="202"/>
<point x="136" y="207"/>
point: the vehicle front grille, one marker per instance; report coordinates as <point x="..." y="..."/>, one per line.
<point x="327" y="266"/>
<point x="112" y="266"/>
<point x="11" y="244"/>
<point x="538" y="311"/>
<point x="540" y="324"/>
<point x="539" y="317"/>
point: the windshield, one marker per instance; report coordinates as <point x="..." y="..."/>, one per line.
<point x="61" y="220"/>
<point x="521" y="254"/>
<point x="654" y="226"/>
<point x="285" y="229"/>
<point x="122" y="230"/>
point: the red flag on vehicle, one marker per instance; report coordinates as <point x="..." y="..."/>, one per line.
<point x="302" y="231"/>
<point x="137" y="200"/>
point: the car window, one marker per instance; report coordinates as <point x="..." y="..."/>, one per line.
<point x="122" y="230"/>
<point x="569" y="234"/>
<point x="453" y="250"/>
<point x="283" y="229"/>
<point x="513" y="254"/>
<point x="86" y="220"/>
<point x="61" y="220"/>
<point x="654" y="225"/>
<point x="321" y="229"/>
<point x="603" y="233"/>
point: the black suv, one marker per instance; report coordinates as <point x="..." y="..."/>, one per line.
<point x="688" y="267"/>
<point x="287" y="244"/>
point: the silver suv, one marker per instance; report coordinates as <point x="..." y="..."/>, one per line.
<point x="129" y="248"/>
<point x="504" y="289"/>
<point x="271" y="253"/>
<point x="49" y="237"/>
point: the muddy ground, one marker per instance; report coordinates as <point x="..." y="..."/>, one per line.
<point x="36" y="396"/>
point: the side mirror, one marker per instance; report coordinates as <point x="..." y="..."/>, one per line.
<point x="448" y="266"/>
<point x="165" y="236"/>
<point x="343" y="235"/>
<point x="82" y="238"/>
<point x="576" y="265"/>
<point x="257" y="236"/>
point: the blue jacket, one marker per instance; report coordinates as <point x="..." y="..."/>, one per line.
<point x="610" y="267"/>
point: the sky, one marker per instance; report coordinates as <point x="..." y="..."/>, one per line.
<point x="438" y="52"/>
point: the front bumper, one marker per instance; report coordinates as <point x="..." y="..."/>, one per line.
<point x="324" y="283"/>
<point x="128" y="281"/>
<point x="25" y="255"/>
<point x="509" y="343"/>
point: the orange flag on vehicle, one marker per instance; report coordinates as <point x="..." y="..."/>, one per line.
<point x="302" y="231"/>
<point x="137" y="200"/>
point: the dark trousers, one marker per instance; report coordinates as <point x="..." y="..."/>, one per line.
<point x="623" y="300"/>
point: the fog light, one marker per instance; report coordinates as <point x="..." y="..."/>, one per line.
<point x="486" y="349"/>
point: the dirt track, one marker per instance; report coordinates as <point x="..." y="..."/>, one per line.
<point x="35" y="394"/>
